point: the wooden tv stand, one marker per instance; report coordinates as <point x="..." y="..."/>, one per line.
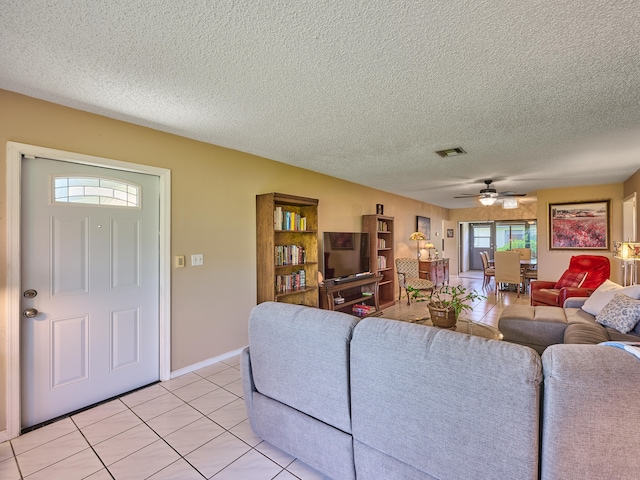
<point x="353" y="293"/>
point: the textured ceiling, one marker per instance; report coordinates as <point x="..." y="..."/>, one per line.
<point x="540" y="93"/>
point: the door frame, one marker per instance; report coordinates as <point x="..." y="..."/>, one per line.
<point x="15" y="151"/>
<point x="629" y="216"/>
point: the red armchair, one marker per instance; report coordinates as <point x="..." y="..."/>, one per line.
<point x="584" y="275"/>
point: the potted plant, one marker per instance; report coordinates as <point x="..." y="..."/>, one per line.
<point x="416" y="294"/>
<point x="446" y="304"/>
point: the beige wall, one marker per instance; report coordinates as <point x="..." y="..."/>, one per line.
<point x="631" y="186"/>
<point x="552" y="263"/>
<point x="213" y="213"/>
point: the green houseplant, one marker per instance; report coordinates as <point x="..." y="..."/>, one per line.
<point x="446" y="303"/>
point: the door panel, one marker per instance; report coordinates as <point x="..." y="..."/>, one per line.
<point x="125" y="254"/>
<point x="69" y="351"/>
<point x="125" y="335"/>
<point x="69" y="256"/>
<point x="96" y="270"/>
<point x="481" y="238"/>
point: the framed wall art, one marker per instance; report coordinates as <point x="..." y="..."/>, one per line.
<point x="579" y="225"/>
<point x="423" y="224"/>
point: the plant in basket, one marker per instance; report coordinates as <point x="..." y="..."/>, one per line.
<point x="446" y="304"/>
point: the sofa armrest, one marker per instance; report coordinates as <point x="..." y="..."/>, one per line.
<point x="540" y="284"/>
<point x="567" y="292"/>
<point x="574" y="302"/>
<point x="591" y="400"/>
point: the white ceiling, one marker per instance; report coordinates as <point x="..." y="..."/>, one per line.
<point x="540" y="93"/>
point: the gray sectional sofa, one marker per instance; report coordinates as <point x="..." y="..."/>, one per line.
<point x="384" y="399"/>
<point x="539" y="327"/>
<point x="575" y="323"/>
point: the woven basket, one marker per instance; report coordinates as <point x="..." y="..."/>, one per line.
<point x="442" y="317"/>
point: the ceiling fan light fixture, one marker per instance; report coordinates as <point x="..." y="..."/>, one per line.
<point x="487" y="201"/>
<point x="451" y="152"/>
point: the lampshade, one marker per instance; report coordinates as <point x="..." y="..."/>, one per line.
<point x="487" y="201"/>
<point x="417" y="236"/>
<point x="626" y="250"/>
<point x="428" y="246"/>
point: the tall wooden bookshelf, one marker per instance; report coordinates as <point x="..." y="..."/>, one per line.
<point x="293" y="280"/>
<point x="380" y="229"/>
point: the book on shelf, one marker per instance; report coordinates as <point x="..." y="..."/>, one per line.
<point x="290" y="283"/>
<point x="382" y="262"/>
<point x="290" y="221"/>
<point x="382" y="226"/>
<point x="290" y="255"/>
<point x="382" y="243"/>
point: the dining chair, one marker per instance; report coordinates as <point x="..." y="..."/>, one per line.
<point x="529" y="273"/>
<point x="489" y="271"/>
<point x="489" y="259"/>
<point x="507" y="265"/>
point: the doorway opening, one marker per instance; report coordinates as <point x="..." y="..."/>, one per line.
<point x="490" y="236"/>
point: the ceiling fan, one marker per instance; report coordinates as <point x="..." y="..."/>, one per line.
<point x="489" y="195"/>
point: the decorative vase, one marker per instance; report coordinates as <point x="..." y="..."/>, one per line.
<point x="442" y="317"/>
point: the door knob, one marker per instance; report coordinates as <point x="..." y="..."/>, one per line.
<point x="30" y="312"/>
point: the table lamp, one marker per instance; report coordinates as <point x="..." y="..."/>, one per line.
<point x="417" y="236"/>
<point x="429" y="246"/>
<point x="629" y="253"/>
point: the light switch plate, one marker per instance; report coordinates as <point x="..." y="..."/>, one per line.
<point x="197" y="259"/>
<point x="179" y="261"/>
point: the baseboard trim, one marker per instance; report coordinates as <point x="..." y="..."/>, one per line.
<point x="206" y="363"/>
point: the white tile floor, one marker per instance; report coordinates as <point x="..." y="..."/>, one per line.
<point x="191" y="427"/>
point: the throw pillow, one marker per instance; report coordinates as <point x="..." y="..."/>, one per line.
<point x="571" y="279"/>
<point x="621" y="313"/>
<point x="604" y="294"/>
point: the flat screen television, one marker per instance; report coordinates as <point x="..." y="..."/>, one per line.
<point x="346" y="255"/>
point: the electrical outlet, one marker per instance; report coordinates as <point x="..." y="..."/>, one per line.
<point x="197" y="260"/>
<point x="179" y="261"/>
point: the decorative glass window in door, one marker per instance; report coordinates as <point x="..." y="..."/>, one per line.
<point x="95" y="191"/>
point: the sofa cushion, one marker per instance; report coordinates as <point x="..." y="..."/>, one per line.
<point x="300" y="357"/>
<point x="424" y="396"/>
<point x="536" y="327"/>
<point x="585" y="333"/>
<point x="605" y="292"/>
<point x="590" y="412"/>
<point x="621" y="313"/>
<point x="577" y="315"/>
<point x="571" y="279"/>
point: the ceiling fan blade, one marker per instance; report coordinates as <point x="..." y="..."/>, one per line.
<point x="511" y="194"/>
<point x="467" y="195"/>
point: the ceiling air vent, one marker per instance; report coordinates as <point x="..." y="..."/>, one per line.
<point x="451" y="152"/>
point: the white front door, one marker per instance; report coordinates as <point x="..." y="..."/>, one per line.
<point x="90" y="268"/>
